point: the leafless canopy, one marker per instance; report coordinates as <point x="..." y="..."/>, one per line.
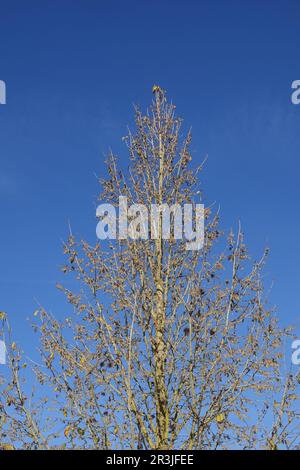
<point x="163" y="347"/>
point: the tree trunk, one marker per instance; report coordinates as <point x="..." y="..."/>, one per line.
<point x="161" y="395"/>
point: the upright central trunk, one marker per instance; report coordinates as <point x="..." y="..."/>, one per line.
<point x="161" y="395"/>
<point x="162" y="419"/>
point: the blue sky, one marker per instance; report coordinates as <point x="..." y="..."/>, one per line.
<point x="73" y="71"/>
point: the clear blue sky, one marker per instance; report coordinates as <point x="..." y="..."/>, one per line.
<point x="73" y="70"/>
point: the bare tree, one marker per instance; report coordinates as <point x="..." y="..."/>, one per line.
<point x="163" y="347"/>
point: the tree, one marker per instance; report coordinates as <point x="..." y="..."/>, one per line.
<point x="165" y="347"/>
